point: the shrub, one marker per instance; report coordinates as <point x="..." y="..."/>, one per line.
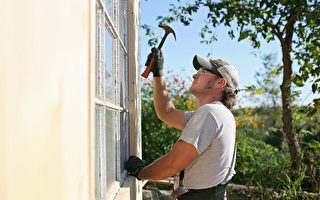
<point x="257" y="162"/>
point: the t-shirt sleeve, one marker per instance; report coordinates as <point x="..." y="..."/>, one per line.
<point x="188" y="115"/>
<point x="200" y="130"/>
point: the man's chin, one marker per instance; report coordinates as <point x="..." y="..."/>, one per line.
<point x="192" y="90"/>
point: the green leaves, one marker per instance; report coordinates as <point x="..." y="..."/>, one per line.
<point x="257" y="160"/>
<point x="314" y="87"/>
<point x="153" y="40"/>
<point x="253" y="88"/>
<point x="297" y="80"/>
<point x="244" y="34"/>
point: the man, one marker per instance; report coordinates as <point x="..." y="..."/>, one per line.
<point x="206" y="149"/>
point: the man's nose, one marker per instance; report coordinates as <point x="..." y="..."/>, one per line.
<point x="194" y="76"/>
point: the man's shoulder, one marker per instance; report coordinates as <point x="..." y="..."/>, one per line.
<point x="200" y="113"/>
<point x="216" y="105"/>
<point x="211" y="109"/>
<point x="217" y="110"/>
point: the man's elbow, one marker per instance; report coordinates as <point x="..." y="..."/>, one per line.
<point x="164" y="118"/>
<point x="163" y="115"/>
<point x="160" y="116"/>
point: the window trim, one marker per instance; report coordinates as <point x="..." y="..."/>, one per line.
<point x="118" y="106"/>
<point x="112" y="190"/>
<point x="110" y="106"/>
<point x="109" y="24"/>
<point x="130" y="44"/>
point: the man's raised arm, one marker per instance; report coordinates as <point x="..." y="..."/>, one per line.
<point x="162" y="103"/>
<point x="164" y="106"/>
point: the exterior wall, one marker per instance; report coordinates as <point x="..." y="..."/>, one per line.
<point x="47" y="70"/>
<point x="45" y="63"/>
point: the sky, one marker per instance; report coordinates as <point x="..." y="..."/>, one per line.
<point x="178" y="54"/>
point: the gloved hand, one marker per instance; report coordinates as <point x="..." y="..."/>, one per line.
<point x="157" y="65"/>
<point x="134" y="165"/>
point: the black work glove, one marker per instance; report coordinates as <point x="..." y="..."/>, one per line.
<point x="157" y="65"/>
<point x="134" y="165"/>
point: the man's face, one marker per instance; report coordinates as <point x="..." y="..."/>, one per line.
<point x="203" y="82"/>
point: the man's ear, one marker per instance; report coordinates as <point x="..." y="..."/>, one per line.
<point x="222" y="82"/>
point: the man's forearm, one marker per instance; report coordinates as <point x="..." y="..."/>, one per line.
<point x="158" y="170"/>
<point x="176" y="160"/>
<point x="162" y="102"/>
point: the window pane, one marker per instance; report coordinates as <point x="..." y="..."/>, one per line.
<point x="124" y="139"/>
<point x="108" y="5"/>
<point x="100" y="151"/>
<point x="110" y="148"/>
<point x="124" y="98"/>
<point x="109" y="83"/>
<point x="124" y="91"/>
<point x="123" y="20"/>
<point x="100" y="60"/>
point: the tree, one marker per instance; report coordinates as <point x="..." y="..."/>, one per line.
<point x="296" y="24"/>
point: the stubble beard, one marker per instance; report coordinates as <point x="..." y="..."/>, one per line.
<point x="192" y="90"/>
<point x="195" y="91"/>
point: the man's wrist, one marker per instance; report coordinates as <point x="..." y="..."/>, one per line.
<point x="137" y="172"/>
<point x="158" y="73"/>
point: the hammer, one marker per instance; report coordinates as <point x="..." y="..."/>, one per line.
<point x="167" y="30"/>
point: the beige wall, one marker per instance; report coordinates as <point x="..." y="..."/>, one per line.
<point x="44" y="100"/>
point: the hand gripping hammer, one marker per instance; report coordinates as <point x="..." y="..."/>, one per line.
<point x="168" y="30"/>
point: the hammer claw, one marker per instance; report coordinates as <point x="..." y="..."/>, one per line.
<point x="168" y="30"/>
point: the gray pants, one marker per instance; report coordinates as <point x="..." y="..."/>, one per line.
<point x="213" y="193"/>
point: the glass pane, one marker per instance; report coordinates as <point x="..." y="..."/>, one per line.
<point x="110" y="148"/>
<point x="124" y="139"/>
<point x="109" y="93"/>
<point x="124" y="98"/>
<point x="108" y="5"/>
<point x="100" y="151"/>
<point x="123" y="79"/>
<point x="123" y="20"/>
<point x="100" y="63"/>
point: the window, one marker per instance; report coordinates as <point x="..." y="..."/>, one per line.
<point x="111" y="96"/>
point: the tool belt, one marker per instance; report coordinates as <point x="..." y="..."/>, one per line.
<point x="178" y="189"/>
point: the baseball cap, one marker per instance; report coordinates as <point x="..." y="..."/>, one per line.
<point x="220" y="68"/>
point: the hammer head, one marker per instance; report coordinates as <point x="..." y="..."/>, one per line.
<point x="168" y="30"/>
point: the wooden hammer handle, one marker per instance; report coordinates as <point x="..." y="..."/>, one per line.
<point x="147" y="71"/>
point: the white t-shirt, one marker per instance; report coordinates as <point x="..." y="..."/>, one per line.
<point x="211" y="129"/>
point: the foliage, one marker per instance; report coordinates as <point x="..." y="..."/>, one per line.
<point x="257" y="162"/>
<point x="308" y="134"/>
<point x="293" y="189"/>
<point x="267" y="166"/>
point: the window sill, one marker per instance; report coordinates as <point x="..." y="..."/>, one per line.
<point x="124" y="190"/>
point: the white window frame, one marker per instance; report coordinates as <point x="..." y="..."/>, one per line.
<point x="118" y="106"/>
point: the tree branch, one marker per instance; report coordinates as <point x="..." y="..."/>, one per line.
<point x="275" y="29"/>
<point x="289" y="27"/>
